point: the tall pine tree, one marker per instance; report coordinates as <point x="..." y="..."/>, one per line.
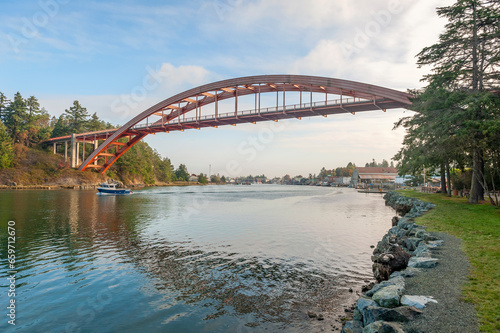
<point x="466" y="64"/>
<point x="15" y="118"/>
<point x="77" y="117"/>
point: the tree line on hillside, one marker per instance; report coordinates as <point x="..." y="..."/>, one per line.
<point x="24" y="122"/>
<point x="457" y="125"/>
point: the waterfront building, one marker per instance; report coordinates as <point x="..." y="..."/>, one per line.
<point x="374" y="176"/>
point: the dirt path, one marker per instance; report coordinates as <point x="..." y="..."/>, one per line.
<point x="444" y="283"/>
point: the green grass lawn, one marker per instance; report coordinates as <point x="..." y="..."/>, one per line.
<point x="479" y="228"/>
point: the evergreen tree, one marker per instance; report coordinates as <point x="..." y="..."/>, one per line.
<point x="14" y="117"/>
<point x="4" y="103"/>
<point x="95" y="124"/>
<point x="37" y="122"/>
<point x="77" y="117"/>
<point x="202" y="179"/>
<point x="39" y="129"/>
<point x="432" y="139"/>
<point x="6" y="150"/>
<point x="181" y="173"/>
<point x="33" y="108"/>
<point x="61" y="127"/>
<point x="466" y="63"/>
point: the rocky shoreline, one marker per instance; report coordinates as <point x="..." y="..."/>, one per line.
<point x="402" y="253"/>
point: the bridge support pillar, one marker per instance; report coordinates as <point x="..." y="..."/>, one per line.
<point x="96" y="145"/>
<point x="73" y="150"/>
<point x="77" y="153"/>
<point x="65" y="151"/>
<point x="55" y="150"/>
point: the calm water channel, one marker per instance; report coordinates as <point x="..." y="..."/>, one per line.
<point x="188" y="259"/>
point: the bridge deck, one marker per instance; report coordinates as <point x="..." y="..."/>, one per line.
<point x="247" y="116"/>
<point x="273" y="113"/>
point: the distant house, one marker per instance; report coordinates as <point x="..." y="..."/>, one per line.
<point x="260" y="180"/>
<point x="193" y="178"/>
<point x="332" y="179"/>
<point x="373" y="176"/>
<point x="344" y="181"/>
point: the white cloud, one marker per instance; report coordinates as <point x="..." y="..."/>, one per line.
<point x="376" y="51"/>
<point x="157" y="84"/>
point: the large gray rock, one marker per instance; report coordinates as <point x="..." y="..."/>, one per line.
<point x="388" y="297"/>
<point x="397" y="281"/>
<point x="418" y="302"/>
<point x="422" y="250"/>
<point x="422" y="262"/>
<point x="421" y="233"/>
<point x="402" y="233"/>
<point x="412" y="243"/>
<point x="362" y="303"/>
<point x="400" y="314"/>
<point x="356" y="315"/>
<point x="352" y="327"/>
<point x="408" y="272"/>
<point x="383" y="327"/>
<point x="405" y="223"/>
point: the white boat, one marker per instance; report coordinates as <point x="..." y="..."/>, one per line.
<point x="106" y="188"/>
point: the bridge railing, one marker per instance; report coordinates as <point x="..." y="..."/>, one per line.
<point x="267" y="110"/>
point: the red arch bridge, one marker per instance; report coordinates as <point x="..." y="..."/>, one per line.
<point x="188" y="110"/>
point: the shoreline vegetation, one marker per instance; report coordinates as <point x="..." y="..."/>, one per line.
<point x="478" y="226"/>
<point x="39" y="169"/>
<point x="25" y="158"/>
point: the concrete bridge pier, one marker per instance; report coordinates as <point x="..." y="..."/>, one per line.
<point x="73" y="151"/>
<point x="96" y="145"/>
<point x="77" y="153"/>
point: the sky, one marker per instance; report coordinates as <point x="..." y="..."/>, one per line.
<point x="104" y="53"/>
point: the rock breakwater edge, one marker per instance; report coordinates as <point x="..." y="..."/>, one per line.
<point x="404" y="252"/>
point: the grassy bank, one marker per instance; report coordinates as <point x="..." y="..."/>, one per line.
<point x="479" y="228"/>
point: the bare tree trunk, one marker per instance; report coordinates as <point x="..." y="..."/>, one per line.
<point x="443" y="179"/>
<point x="476" y="190"/>
<point x="448" y="178"/>
<point x="482" y="178"/>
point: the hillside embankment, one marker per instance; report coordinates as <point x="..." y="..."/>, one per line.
<point x="39" y="169"/>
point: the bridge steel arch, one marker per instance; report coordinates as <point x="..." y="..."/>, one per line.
<point x="170" y="114"/>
